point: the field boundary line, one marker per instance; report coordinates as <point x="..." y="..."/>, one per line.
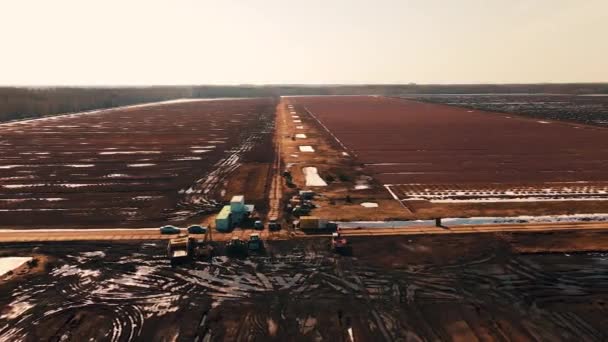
<point x="388" y="188"/>
<point x="330" y="132"/>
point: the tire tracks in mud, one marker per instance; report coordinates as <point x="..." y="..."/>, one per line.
<point x="141" y="292"/>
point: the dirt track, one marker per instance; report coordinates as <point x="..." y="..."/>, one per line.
<point x="449" y="287"/>
<point x="148" y="165"/>
<point x="141" y="234"/>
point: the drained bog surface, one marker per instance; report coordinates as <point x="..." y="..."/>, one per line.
<point x="393" y="288"/>
<point x="140" y="166"/>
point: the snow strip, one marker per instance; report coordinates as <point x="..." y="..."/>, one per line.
<point x="312" y="177"/>
<point x="10" y="263"/>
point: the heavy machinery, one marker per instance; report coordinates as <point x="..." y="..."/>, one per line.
<point x="273" y="224"/>
<point x="178" y="250"/>
<point x="339" y="244"/>
<point x="202" y="246"/>
<point x="255" y="243"/>
<point x="236" y="247"/>
<point x="258" y="225"/>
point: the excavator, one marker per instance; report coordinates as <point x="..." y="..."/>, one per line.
<point x="184" y="248"/>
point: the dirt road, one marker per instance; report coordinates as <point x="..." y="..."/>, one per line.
<point x="153" y="233"/>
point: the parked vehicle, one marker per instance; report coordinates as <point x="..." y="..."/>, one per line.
<point x="197" y="229"/>
<point x="274" y="225"/>
<point x="169" y="230"/>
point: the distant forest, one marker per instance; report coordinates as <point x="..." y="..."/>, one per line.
<point x="20" y="102"/>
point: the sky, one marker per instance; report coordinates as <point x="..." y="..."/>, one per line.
<point x="174" y="42"/>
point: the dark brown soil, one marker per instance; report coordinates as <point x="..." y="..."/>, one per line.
<point x="137" y="167"/>
<point x="448" y="287"/>
<point x="408" y="142"/>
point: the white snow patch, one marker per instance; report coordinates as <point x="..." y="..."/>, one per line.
<point x="299" y="127"/>
<point x="71" y="270"/>
<point x="544" y="122"/>
<point x="140" y="165"/>
<point x="204" y="147"/>
<point x="116" y="175"/>
<point x="369" y="205"/>
<point x="187" y="158"/>
<point x="17" y="308"/>
<point x="20" y="186"/>
<point x="362" y="187"/>
<point x="301" y="136"/>
<point x="11" y="263"/>
<point x="80" y="165"/>
<point x="312" y="177"/>
<point x="128" y="152"/>
<point x="306" y="148"/>
<point x="145" y="198"/>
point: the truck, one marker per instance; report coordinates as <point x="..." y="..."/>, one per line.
<point x="316" y="223"/>
<point x="178" y="250"/>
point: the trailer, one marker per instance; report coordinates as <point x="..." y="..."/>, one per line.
<point x="316" y="223"/>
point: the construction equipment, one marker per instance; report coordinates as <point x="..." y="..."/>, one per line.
<point x="236" y="247"/>
<point x="178" y="249"/>
<point x="258" y="225"/>
<point x="339" y="244"/>
<point x="202" y="246"/>
<point x="273" y="224"/>
<point x="255" y="243"/>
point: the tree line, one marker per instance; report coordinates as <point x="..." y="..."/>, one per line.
<point x="31" y="102"/>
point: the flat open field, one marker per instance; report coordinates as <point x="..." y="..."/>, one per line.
<point x="448" y="287"/>
<point x="588" y="109"/>
<point x="444" y="154"/>
<point x="138" y="166"/>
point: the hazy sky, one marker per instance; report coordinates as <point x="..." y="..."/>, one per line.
<point x="133" y="42"/>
